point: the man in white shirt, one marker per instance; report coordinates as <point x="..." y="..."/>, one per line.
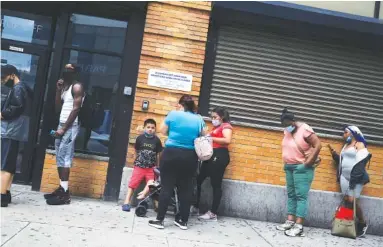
<point x="69" y="98"/>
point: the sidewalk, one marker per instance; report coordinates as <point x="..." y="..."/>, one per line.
<point x="28" y="221"/>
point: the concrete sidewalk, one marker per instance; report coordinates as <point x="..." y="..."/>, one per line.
<point x="28" y="221"/>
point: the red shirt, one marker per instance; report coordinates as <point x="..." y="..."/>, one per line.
<point x="217" y="132"/>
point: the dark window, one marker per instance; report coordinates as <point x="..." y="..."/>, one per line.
<point x="96" y="33"/>
<point x="100" y="75"/>
<point x="29" y="28"/>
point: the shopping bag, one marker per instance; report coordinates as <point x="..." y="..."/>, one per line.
<point x="344" y="225"/>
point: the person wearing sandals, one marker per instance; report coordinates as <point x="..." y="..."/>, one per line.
<point x="299" y="170"/>
<point x="352" y="173"/>
<point x="215" y="167"/>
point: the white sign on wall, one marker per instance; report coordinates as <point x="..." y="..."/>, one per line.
<point x="170" y="80"/>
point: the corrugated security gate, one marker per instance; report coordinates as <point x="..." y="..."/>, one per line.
<point x="257" y="74"/>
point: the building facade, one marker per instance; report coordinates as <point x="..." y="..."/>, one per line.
<point x="322" y="61"/>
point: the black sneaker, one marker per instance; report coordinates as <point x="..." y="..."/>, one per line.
<point x="61" y="198"/>
<point x="362" y="229"/>
<point x="9" y="196"/>
<point x="182" y="225"/>
<point x="159" y="224"/>
<point x="4" y="200"/>
<point x="54" y="193"/>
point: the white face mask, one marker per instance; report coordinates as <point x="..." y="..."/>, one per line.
<point x="216" y="122"/>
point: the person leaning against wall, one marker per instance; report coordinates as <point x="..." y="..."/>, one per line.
<point x="300" y="149"/>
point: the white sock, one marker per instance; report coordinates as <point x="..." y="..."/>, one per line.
<point x="64" y="184"/>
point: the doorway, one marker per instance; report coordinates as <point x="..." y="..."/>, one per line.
<point x="31" y="63"/>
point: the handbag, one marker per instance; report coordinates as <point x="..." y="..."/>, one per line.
<point x="317" y="160"/>
<point x="344" y="224"/>
<point x="203" y="145"/>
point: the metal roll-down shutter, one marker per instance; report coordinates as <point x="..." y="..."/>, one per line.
<point x="257" y="74"/>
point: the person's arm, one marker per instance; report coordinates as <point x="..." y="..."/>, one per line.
<point x="334" y="154"/>
<point x="316" y="145"/>
<point x="159" y="151"/>
<point x="58" y="101"/>
<point x="226" y="139"/>
<point x="158" y="160"/>
<point x="16" y="105"/>
<point x="78" y="94"/>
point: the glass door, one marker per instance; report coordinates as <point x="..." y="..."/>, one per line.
<point x="31" y="64"/>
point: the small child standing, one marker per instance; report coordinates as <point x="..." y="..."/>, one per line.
<point x="148" y="148"/>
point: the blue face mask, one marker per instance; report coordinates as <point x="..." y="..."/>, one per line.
<point x="349" y="139"/>
<point x="148" y="135"/>
<point x="290" y="128"/>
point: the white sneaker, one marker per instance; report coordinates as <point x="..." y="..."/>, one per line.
<point x="208" y="216"/>
<point x="194" y="211"/>
<point x="286" y="226"/>
<point x="295" y="231"/>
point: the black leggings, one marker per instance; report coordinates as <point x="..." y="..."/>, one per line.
<point x="177" y="168"/>
<point x="215" y="169"/>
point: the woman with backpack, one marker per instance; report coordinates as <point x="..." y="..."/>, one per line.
<point x="215" y="167"/>
<point x="352" y="173"/>
<point x="179" y="160"/>
<point x="300" y="150"/>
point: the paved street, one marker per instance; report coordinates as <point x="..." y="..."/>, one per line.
<point x="28" y="221"/>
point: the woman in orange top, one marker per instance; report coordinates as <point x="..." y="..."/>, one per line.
<point x="215" y="167"/>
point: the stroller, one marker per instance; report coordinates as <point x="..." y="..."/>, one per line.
<point x="154" y="194"/>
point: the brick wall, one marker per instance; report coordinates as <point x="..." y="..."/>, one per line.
<point x="256" y="157"/>
<point x="174" y="40"/>
<point x="87" y="177"/>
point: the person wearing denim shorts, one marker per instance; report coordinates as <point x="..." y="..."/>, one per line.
<point x="300" y="149"/>
<point x="69" y="99"/>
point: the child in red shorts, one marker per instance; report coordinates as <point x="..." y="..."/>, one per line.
<point x="148" y="147"/>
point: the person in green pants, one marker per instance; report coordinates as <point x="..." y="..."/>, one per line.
<point x="300" y="149"/>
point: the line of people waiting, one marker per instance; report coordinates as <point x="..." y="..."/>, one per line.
<point x="179" y="161"/>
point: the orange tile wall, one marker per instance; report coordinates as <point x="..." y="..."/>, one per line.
<point x="87" y="177"/>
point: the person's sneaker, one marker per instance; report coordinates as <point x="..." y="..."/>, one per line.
<point x="4" y="200"/>
<point x="295" y="231"/>
<point x="194" y="211"/>
<point x="54" y="193"/>
<point x="126" y="207"/>
<point x="286" y="226"/>
<point x="362" y="229"/>
<point x="9" y="196"/>
<point x="159" y="224"/>
<point x="182" y="225"/>
<point x="61" y="198"/>
<point x="208" y="216"/>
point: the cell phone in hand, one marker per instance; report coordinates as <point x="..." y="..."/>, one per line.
<point x="53" y="133"/>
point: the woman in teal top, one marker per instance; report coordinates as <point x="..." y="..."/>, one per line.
<point x="179" y="160"/>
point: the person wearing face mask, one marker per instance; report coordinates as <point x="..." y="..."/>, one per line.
<point x="216" y="166"/>
<point x="179" y="160"/>
<point x="300" y="149"/>
<point x="352" y="173"/>
<point x="15" y="108"/>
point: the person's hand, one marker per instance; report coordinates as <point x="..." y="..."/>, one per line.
<point x="60" y="132"/>
<point x="1" y="117"/>
<point x="60" y="85"/>
<point x="330" y="148"/>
